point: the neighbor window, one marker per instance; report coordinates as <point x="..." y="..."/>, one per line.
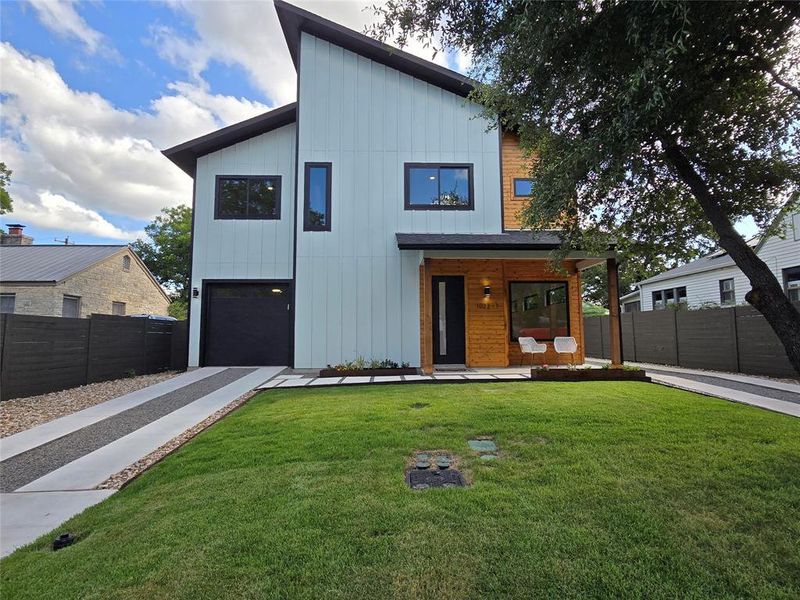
<point x="126" y="263"/>
<point x="634" y="306"/>
<point x="317" y="215"/>
<point x="727" y="292"/>
<point x="71" y="307"/>
<point x="8" y="303"/>
<point x="523" y="187"/>
<point x="791" y="282"/>
<point x="539" y="309"/>
<point x="438" y="187"/>
<point x="248" y="197"/>
<point x="118" y="308"/>
<point x="664" y="298"/>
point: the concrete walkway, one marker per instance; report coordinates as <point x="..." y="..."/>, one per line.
<point x="49" y="473"/>
<point x="771" y="394"/>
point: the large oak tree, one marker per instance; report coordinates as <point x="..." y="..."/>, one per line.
<point x="667" y="121"/>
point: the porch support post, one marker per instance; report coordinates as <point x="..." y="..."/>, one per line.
<point x="426" y="318"/>
<point x="614" y="322"/>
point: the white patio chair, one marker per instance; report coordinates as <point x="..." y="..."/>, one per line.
<point x="566" y="345"/>
<point x="528" y="345"/>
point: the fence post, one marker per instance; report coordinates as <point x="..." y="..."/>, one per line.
<point x="677" y="344"/>
<point x="736" y="338"/>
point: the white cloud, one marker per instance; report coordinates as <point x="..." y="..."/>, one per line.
<point x="54" y="211"/>
<point x="60" y="17"/>
<point x="75" y="145"/>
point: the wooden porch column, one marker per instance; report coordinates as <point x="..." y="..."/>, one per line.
<point x="426" y="316"/>
<point x="614" y="322"/>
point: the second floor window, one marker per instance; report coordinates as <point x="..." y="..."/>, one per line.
<point x="118" y="308"/>
<point x="71" y="307"/>
<point x="8" y="303"/>
<point x="438" y="187"/>
<point x="727" y="292"/>
<point x="317" y="212"/>
<point x="248" y="197"/>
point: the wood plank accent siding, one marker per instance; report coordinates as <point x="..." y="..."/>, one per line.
<point x="515" y="165"/>
<point x="488" y="319"/>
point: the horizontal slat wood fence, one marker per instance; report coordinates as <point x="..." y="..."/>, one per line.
<point x="736" y="339"/>
<point x="47" y="354"/>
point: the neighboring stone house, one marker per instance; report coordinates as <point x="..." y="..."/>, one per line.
<point x="76" y="281"/>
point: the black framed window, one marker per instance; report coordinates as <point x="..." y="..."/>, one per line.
<point x="8" y="303"/>
<point x="523" y="187"/>
<point x="433" y="186"/>
<point x="727" y="291"/>
<point x="248" y="197"/>
<point x="539" y="309"/>
<point x="317" y="212"/>
<point x="791" y="282"/>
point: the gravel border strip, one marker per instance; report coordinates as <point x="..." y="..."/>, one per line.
<point x="131" y="472"/>
<point x="21" y="414"/>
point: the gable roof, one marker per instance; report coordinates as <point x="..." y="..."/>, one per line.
<point x="185" y="155"/>
<point x="295" y="20"/>
<point x="49" y="263"/>
<point x="709" y="262"/>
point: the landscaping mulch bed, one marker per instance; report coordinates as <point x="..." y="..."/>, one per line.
<point x="20" y="414"/>
<point x="120" y="479"/>
<point x="588" y="375"/>
<point x="366" y="372"/>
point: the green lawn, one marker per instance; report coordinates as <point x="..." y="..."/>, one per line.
<point x="602" y="489"/>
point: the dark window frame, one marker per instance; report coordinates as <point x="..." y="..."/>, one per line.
<point x="307" y="225"/>
<point x="278" y="190"/>
<point x="675" y="297"/>
<point x="13" y="297"/>
<point x="723" y="291"/>
<point x="418" y="165"/>
<point x="514" y="186"/>
<point x="787" y="273"/>
<point x="565" y="282"/>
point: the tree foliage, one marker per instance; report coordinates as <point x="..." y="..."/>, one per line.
<point x="167" y="251"/>
<point x="6" y="203"/>
<point x="662" y="122"/>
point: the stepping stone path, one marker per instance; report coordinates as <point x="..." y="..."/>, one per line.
<point x="485" y="447"/>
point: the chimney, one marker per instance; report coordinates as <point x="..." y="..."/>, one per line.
<point x="15" y="237"/>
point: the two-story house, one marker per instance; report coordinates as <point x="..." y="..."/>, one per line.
<point x="373" y="217"/>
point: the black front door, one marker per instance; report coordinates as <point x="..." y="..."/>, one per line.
<point x="449" y="347"/>
<point x="247" y="323"/>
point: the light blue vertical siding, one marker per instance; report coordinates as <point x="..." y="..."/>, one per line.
<point x="232" y="249"/>
<point x="356" y="293"/>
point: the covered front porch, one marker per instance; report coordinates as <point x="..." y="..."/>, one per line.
<point x="480" y="293"/>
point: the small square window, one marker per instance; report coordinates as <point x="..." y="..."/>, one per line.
<point x="248" y="198"/>
<point x="791" y="279"/>
<point x="118" y="308"/>
<point x="523" y="187"/>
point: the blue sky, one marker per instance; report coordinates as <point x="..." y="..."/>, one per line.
<point x="93" y="91"/>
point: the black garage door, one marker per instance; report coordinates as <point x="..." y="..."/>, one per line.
<point x="247" y="323"/>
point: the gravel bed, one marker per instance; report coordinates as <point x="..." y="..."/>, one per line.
<point x="118" y="480"/>
<point x="20" y="414"/>
<point x="21" y="469"/>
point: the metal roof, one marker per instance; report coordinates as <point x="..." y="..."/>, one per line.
<point x="49" y="264"/>
<point x="510" y="240"/>
<point x="710" y="262"/>
<point x="295" y="20"/>
<point x="185" y="155"/>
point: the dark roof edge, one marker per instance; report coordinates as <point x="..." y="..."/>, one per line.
<point x="475" y="246"/>
<point x="295" y="20"/>
<point x="185" y="155"/>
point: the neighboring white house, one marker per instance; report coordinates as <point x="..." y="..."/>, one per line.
<point x="715" y="279"/>
<point x="373" y="217"/>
